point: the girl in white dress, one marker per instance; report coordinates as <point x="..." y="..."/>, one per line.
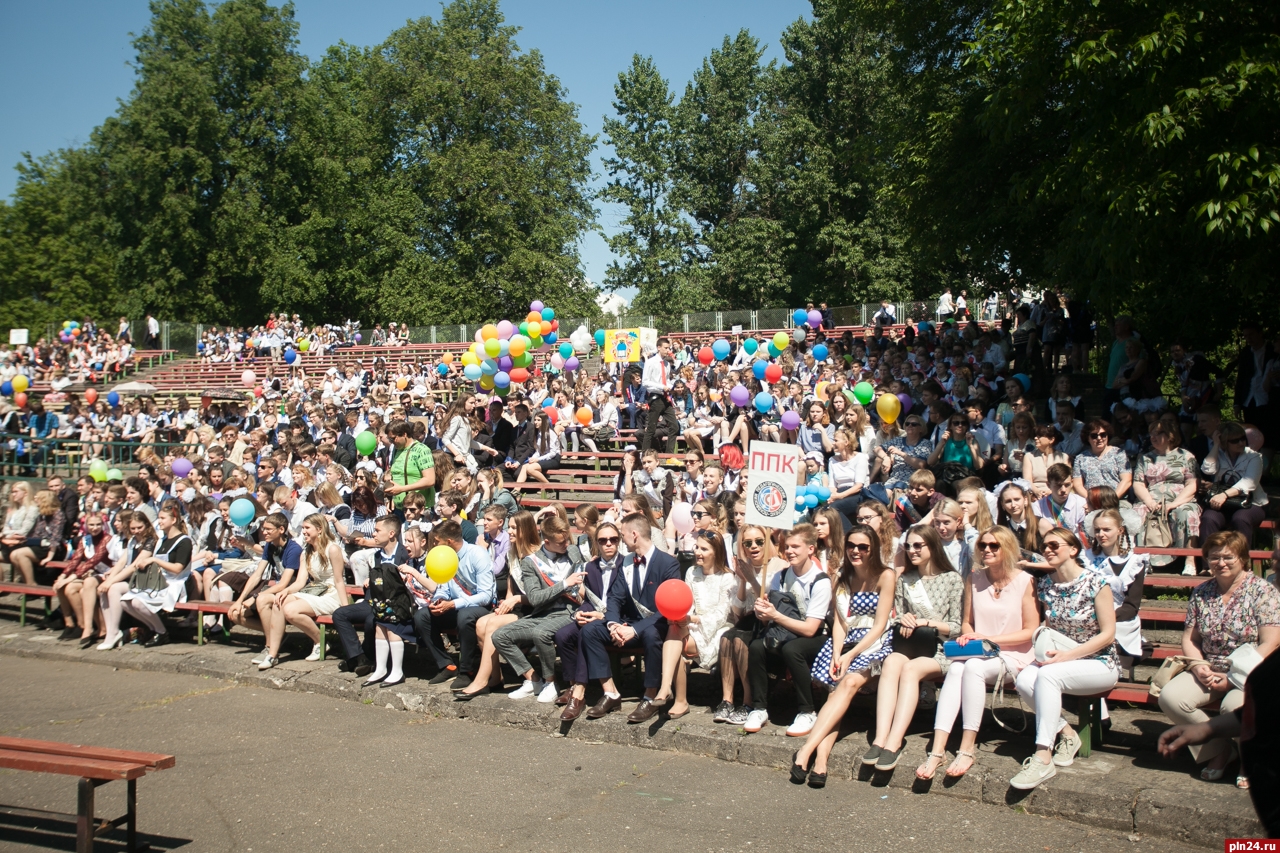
<point x="318" y="590"/>
<point x="695" y="639"/>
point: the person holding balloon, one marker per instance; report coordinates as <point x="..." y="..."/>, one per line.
<point x="694" y="635"/>
<point x="465" y="591"/>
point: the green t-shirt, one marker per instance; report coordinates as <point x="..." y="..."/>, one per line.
<point x="407" y="466"/>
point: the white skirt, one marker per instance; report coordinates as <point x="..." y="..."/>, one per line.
<point x="321" y="605"/>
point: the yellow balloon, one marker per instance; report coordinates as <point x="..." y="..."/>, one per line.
<point x="442" y="563"/>
<point x="19" y="383"/>
<point x="486" y="382"/>
<point x="889" y="407"/>
<point x="469" y="358"/>
<point x="781" y="340"/>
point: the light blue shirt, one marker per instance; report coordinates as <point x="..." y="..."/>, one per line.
<point x="475" y="573"/>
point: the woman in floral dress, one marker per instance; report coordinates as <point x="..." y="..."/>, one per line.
<point x="1166" y="475"/>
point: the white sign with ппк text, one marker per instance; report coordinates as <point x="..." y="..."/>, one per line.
<point x="771" y="484"/>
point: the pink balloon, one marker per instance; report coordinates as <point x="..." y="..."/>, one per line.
<point x="1254" y="436"/>
<point x="682" y="519"/>
<point x="505" y="329"/>
<point x="248" y="378"/>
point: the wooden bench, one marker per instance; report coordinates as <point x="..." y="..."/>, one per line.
<point x="25" y="590"/>
<point x="95" y="766"/>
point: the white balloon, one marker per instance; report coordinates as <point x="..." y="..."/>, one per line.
<point x="798" y="335"/>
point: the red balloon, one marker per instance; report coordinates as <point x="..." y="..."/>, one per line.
<point x="519" y="374"/>
<point x="674" y="599"/>
<point x="20" y="399"/>
<point x="706" y="356"/>
<point x="555" y="325"/>
<point x="91" y="395"/>
<point x="553" y="414"/>
<point x="772" y="373"/>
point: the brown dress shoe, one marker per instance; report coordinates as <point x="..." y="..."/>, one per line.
<point x="573" y="710"/>
<point x="603" y="707"/>
<point x="563" y="698"/>
<point x="645" y="711"/>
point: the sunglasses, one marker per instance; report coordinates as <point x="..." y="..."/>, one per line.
<point x="989" y="546"/>
<point x="860" y="547"/>
<point x="1235" y="441"/>
<point x="914" y="424"/>
<point x="698" y="514"/>
<point x="753" y="543"/>
<point x="1050" y="547"/>
<point x="915" y="546"/>
<point x="1098" y="435"/>
<point x="958" y="424"/>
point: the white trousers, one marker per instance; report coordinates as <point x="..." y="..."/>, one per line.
<point x="1042" y="687"/>
<point x="965" y="689"/>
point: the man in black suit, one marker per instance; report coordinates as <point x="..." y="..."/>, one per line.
<point x="573" y="656"/>
<point x="631" y="620"/>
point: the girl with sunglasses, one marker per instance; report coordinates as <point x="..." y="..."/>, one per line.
<point x="863" y="601"/>
<point x="957" y="445"/>
<point x="1077" y="603"/>
<point x="880" y="518"/>
<point x="695" y="640"/>
<point x="755" y="564"/>
<point x="927" y="595"/>
<point x="999" y="605"/>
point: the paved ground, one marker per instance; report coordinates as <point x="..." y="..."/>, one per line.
<point x="261" y="769"/>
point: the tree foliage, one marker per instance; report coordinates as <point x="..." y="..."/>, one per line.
<point x="439" y="177"/>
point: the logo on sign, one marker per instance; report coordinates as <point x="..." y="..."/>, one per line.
<point x="770" y="500"/>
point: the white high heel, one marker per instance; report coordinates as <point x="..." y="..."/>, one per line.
<point x="109" y="643"/>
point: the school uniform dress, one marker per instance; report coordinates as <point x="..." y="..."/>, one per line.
<point x="162" y="590"/>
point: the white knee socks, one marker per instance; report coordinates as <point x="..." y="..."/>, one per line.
<point x="397" y="658"/>
<point x="380" y="649"/>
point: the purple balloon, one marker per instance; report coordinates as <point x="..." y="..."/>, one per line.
<point x="358" y="338"/>
<point x="505" y="364"/>
<point x="571" y="363"/>
<point x="815" y="318"/>
<point x="790" y="420"/>
<point x="905" y="400"/>
<point x="181" y="467"/>
<point x="740" y="396"/>
<point x="536" y="305"/>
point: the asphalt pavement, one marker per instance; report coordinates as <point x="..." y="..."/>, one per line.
<point x="261" y="769"/>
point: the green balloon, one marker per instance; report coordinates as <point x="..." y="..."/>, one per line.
<point x="864" y="391"/>
<point x="115" y="474"/>
<point x="366" y="443"/>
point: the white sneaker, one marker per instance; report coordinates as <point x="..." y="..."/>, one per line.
<point x="263" y="655"/>
<point x="801" y="725"/>
<point x="524" y="691"/>
<point x="1033" y="772"/>
<point x="315" y="653"/>
<point x="1189" y="570"/>
<point x="756" y="721"/>
<point x="268" y="663"/>
<point x="1064" y="754"/>
<point x="548" y="694"/>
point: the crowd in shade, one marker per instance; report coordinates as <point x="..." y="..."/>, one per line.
<point x="966" y="520"/>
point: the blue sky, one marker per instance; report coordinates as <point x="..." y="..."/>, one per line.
<point x="64" y="63"/>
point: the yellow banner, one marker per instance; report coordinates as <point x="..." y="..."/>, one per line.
<point x="621" y="345"/>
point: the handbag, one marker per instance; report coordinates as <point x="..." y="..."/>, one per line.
<point x="1046" y="639"/>
<point x="1231" y="504"/>
<point x="968" y="651"/>
<point x="1155" y="531"/>
<point x="922" y="643"/>
<point x="1242" y="662"/>
<point x="1170" y="669"/>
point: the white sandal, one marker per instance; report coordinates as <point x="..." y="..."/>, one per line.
<point x="941" y="756"/>
<point x="973" y="759"/>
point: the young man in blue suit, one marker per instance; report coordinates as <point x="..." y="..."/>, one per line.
<point x="631" y="620"/>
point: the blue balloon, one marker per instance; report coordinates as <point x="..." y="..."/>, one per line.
<point x="764" y="402"/>
<point x="504" y="347"/>
<point x="758" y="366"/>
<point x="199" y="347"/>
<point x="551" y="337"/>
<point x="824" y="494"/>
<point x="820" y="352"/>
<point x="751" y="345"/>
<point x="720" y="349"/>
<point x="442" y="369"/>
<point x="801" y="491"/>
<point x="501" y="379"/>
<point x="7" y="389"/>
<point x="242" y="512"/>
<point x="774" y="352"/>
<point x="599" y="336"/>
<point x="113" y="399"/>
<point x="566" y="349"/>
<point x="472" y="372"/>
<point x="811" y="501"/>
<point x="801" y="316"/>
<point x="548" y="315"/>
<point x="548" y="403"/>
<point x="290" y="356"/>
<point x="488" y="367"/>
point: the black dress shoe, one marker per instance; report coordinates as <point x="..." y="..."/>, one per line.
<point x="157" y="640"/>
<point x="464" y="696"/>
<point x="386" y="684"/>
<point x="444" y="675"/>
<point x="604" y="707"/>
<point x="645" y="711"/>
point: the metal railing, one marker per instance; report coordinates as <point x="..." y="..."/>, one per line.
<point x="70" y="457"/>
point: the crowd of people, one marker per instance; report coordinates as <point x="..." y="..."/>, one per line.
<point x="984" y="537"/>
<point x="85" y="354"/>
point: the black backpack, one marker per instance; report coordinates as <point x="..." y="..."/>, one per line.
<point x="388" y="596"/>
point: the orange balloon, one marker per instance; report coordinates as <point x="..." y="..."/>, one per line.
<point x="584" y="416"/>
<point x="448" y="358"/>
<point x="402" y="383"/>
<point x="489" y="331"/>
<point x="91" y="395"/>
<point x="534" y="317"/>
<point x="545" y="327"/>
<point x="20" y="400"/>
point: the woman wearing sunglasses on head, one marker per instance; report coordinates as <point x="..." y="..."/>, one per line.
<point x="1236" y="497"/>
<point x="1078" y="606"/>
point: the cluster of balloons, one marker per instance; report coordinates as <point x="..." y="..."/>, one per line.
<point x="810" y="318"/>
<point x="502" y="352"/>
<point x="100" y="473"/>
<point x="70" y="331"/>
<point x="718" y="351"/>
<point x="809" y="497"/>
<point x="17" y="389"/>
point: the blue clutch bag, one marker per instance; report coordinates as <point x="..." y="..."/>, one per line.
<point x="972" y="649"/>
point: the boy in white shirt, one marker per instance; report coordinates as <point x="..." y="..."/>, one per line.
<point x="1062" y="507"/>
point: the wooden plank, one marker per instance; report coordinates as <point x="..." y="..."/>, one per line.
<point x="41" y="762"/>
<point x="1159" y="580"/>
<point x="1162" y="614"/>
<point x="154" y="760"/>
<point x="28" y="589"/>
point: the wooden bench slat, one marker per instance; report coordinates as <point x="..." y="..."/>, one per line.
<point x="153" y="760"/>
<point x="27" y="589"/>
<point x="42" y="762"/>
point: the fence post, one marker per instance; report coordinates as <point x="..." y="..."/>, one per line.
<point x="864" y="315"/>
<point x="686" y="323"/>
<point x="463" y="331"/>
<point x="164" y="335"/>
<point x="719" y="321"/>
<point x="433" y="333"/>
<point x="653" y="325"/>
<point x="755" y="319"/>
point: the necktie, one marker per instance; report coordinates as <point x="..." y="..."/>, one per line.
<point x="663" y="364"/>
<point x="635" y="577"/>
